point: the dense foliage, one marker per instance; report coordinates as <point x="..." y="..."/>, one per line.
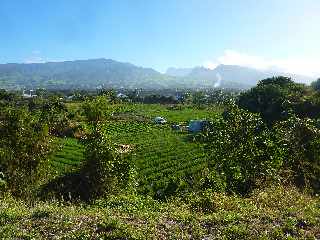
<point x="300" y="138"/>
<point x="274" y="98"/>
<point x="243" y="152"/>
<point x="24" y="144"/>
<point x="106" y="169"/>
<point x="97" y="109"/>
<point x="247" y="150"/>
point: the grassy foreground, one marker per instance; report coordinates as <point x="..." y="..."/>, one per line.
<point x="274" y="213"/>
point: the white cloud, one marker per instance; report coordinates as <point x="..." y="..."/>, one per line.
<point x="303" y="66"/>
<point x="210" y="65"/>
<point x="35" y="57"/>
<point x="231" y="57"/>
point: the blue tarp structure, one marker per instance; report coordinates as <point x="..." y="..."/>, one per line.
<point x="197" y="125"/>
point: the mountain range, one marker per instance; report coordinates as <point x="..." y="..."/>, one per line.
<point x="231" y="76"/>
<point x="107" y="73"/>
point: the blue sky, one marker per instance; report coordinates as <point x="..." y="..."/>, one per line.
<point x="164" y="33"/>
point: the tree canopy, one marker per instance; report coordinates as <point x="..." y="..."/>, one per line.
<point x="274" y="98"/>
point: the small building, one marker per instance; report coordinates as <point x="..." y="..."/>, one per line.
<point x="160" y="120"/>
<point x="196" y="126"/>
<point x="31" y="94"/>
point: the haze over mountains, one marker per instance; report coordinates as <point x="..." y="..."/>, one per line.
<point x="232" y="75"/>
<point x="107" y="73"/>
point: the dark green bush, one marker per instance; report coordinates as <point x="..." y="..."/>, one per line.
<point x="97" y="109"/>
<point x="244" y="153"/>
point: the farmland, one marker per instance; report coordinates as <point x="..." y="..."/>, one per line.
<point x="102" y="168"/>
<point x="159" y="153"/>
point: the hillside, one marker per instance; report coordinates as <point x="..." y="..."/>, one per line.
<point x="107" y="73"/>
<point x="83" y="74"/>
<point x="275" y="213"/>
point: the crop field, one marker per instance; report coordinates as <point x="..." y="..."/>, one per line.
<point x="173" y="113"/>
<point x="68" y="157"/>
<point x="158" y="152"/>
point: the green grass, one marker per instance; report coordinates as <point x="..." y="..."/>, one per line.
<point x="173" y="113"/>
<point x="272" y="213"/>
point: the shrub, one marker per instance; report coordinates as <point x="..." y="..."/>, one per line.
<point x="106" y="169"/>
<point x="24" y="145"/>
<point x="97" y="109"/>
<point x="243" y="152"/>
<point x="301" y="140"/>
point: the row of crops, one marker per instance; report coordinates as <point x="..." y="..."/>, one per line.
<point x="158" y="152"/>
<point x="68" y="157"/>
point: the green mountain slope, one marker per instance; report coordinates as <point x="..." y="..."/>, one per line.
<point x="81" y="74"/>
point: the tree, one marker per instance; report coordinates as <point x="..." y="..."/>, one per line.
<point x="6" y="97"/>
<point x="199" y="98"/>
<point x="97" y="109"/>
<point x="275" y="97"/>
<point x="106" y="169"/>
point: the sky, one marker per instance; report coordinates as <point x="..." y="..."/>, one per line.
<point x="281" y="34"/>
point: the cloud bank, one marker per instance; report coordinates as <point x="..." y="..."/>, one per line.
<point x="309" y="67"/>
